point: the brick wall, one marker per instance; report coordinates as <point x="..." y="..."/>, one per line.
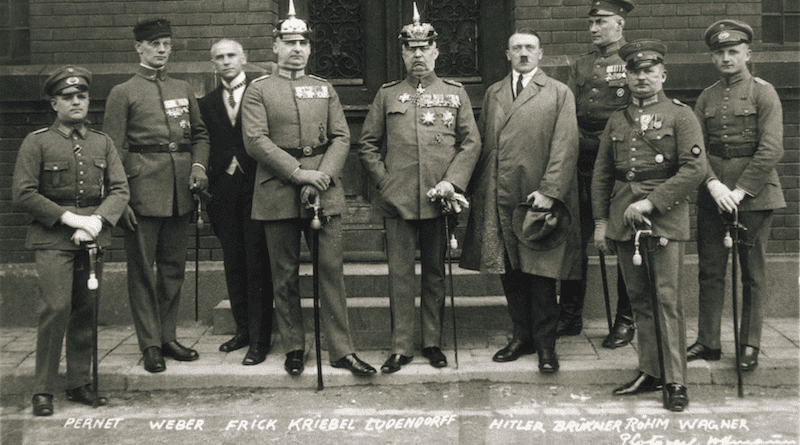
<point x="680" y="23"/>
<point x="91" y="31"/>
<point x="99" y="32"/>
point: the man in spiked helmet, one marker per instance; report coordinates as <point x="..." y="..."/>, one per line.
<point x="295" y="128"/>
<point x="432" y="142"/>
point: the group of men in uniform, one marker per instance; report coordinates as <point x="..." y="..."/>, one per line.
<point x="548" y="166"/>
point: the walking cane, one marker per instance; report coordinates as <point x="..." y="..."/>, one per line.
<point x="92" y="284"/>
<point x="637" y="261"/>
<point x="732" y="242"/>
<point x="452" y="243"/>
<point x="316" y="225"/>
<point x="605" y="290"/>
<point x="198" y="226"/>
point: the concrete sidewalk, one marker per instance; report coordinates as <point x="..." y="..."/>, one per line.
<point x="583" y="362"/>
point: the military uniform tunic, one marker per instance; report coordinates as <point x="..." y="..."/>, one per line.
<point x="155" y="123"/>
<point x="742" y="122"/>
<point x="293" y="121"/>
<point x="62" y="169"/>
<point x="598" y="81"/>
<point x="658" y="156"/>
<point x="429" y="132"/>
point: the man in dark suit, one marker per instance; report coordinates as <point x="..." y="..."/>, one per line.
<point x="231" y="175"/>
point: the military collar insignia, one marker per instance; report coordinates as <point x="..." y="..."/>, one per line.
<point x="67" y="130"/>
<point x="640" y="103"/>
<point x="291" y="74"/>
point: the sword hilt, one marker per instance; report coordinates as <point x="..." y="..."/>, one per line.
<point x="200" y="221"/>
<point x="637" y="257"/>
<point x="316" y="222"/>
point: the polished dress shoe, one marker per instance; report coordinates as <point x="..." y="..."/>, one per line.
<point x="548" y="362"/>
<point x="355" y="365"/>
<point x="256" y="354"/>
<point x="435" y="356"/>
<point x="153" y="360"/>
<point x="568" y="327"/>
<point x="642" y="383"/>
<point x="677" y="400"/>
<point x="179" y="352"/>
<point x="237" y="342"/>
<point x="701" y="352"/>
<point x="84" y="394"/>
<point x="748" y="358"/>
<point x="395" y="362"/>
<point x="513" y="351"/>
<point x="294" y="362"/>
<point x="621" y="335"/>
<point x="42" y="404"/>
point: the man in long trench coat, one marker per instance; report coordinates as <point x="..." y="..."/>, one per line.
<point x="530" y="151"/>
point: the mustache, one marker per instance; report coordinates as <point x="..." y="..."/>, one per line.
<point x="523" y="59"/>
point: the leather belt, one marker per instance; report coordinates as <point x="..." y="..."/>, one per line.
<point x="636" y="176"/>
<point x="592" y="125"/>
<point x="79" y="202"/>
<point x="307" y="152"/>
<point x="726" y="151"/>
<point x="172" y="147"/>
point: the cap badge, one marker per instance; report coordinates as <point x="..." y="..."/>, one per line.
<point x="724" y="35"/>
<point x="72" y="81"/>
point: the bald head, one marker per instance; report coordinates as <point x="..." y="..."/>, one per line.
<point x="228" y="58"/>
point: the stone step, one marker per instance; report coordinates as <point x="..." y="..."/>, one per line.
<point x="369" y="280"/>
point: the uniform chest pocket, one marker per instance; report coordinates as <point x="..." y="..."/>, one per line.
<point x="100" y="163"/>
<point x="746" y="112"/>
<point x="55" y="173"/>
<point x="396" y="108"/>
<point x="618" y="145"/>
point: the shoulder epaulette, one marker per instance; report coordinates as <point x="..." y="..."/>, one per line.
<point x="761" y="81"/>
<point x="97" y="131"/>
<point x="677" y="102"/>
<point x="265" y="76"/>
<point x="453" y="82"/>
<point x="712" y="85"/>
<point x="391" y="84"/>
<point x="41" y="130"/>
<point x="317" y="77"/>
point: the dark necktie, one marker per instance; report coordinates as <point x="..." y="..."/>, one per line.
<point x="231" y="99"/>
<point x="519" y="86"/>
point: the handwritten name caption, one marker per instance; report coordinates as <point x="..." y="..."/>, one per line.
<point x="177" y="424"/>
<point x="401" y="423"/>
<point x="92" y="424"/>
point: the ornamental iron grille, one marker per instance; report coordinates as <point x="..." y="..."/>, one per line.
<point x="456" y="22"/>
<point x="338" y="38"/>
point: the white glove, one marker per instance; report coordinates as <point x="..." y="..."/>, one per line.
<point x="81" y="236"/>
<point x="722" y="196"/>
<point x="91" y="224"/>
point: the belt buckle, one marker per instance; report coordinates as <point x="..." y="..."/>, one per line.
<point x="173" y="146"/>
<point x="307" y="151"/>
<point x="630" y="176"/>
